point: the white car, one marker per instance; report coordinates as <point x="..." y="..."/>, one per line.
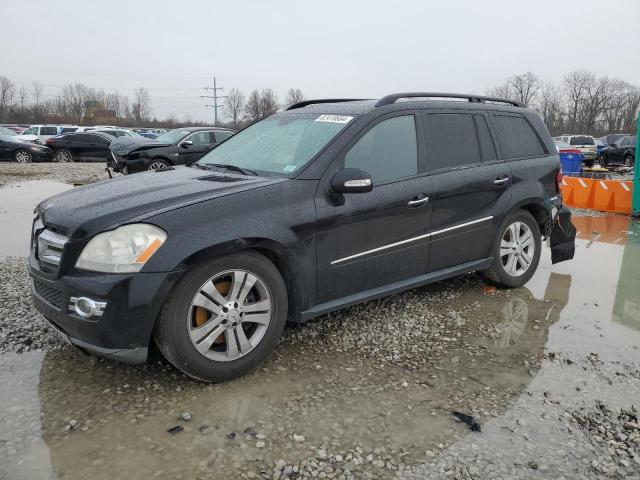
<point x="585" y="143"/>
<point x="40" y="133"/>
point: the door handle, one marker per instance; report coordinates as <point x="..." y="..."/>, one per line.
<point x="501" y="181"/>
<point x="419" y="200"/>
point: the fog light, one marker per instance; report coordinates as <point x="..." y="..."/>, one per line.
<point x="86" y="307"/>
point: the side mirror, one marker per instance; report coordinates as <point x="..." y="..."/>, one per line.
<point x="351" y="180"/>
<point x="186" y="144"/>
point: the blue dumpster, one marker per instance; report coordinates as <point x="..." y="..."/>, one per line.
<point x="571" y="162"/>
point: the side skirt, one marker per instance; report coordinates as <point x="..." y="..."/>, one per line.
<point x="395" y="287"/>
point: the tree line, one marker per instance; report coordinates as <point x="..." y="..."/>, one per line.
<point x="581" y="103"/>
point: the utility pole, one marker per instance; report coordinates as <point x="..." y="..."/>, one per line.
<point x="215" y="97"/>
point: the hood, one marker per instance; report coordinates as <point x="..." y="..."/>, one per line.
<point x="125" y="145"/>
<point x="27" y="138"/>
<point x="85" y="211"/>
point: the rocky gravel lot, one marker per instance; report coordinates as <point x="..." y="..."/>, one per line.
<point x="72" y="173"/>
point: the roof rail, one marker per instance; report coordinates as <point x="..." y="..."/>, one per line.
<point x="391" y="99"/>
<point x="322" y="100"/>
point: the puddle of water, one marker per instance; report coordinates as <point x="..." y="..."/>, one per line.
<point x="17" y="201"/>
<point x="343" y="400"/>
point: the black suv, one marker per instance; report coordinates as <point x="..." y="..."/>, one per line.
<point x="316" y="208"/>
<point x="622" y="151"/>
<point x="176" y="147"/>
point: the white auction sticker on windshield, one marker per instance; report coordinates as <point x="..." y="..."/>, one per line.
<point x="334" y="118"/>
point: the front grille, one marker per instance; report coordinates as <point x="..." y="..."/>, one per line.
<point x="50" y="247"/>
<point x="52" y="295"/>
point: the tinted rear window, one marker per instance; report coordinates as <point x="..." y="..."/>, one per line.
<point x="582" y="141"/>
<point x="487" y="149"/>
<point x="68" y="129"/>
<point x="451" y="140"/>
<point x="516" y="137"/>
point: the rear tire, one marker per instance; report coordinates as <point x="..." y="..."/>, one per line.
<point x="63" y="156"/>
<point x="629" y="160"/>
<point x="23" y="156"/>
<point x="516" y="251"/>
<point x="224" y="317"/>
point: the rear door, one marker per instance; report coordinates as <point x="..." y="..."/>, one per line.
<point x="471" y="187"/>
<point x="369" y="240"/>
<point x="97" y="149"/>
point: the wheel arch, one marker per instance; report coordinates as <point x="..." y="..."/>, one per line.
<point x="297" y="292"/>
<point x="538" y="211"/>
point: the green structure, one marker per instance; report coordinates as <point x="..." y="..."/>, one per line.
<point x="635" y="204"/>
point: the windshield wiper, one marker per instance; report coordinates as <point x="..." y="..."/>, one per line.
<point x="234" y="168"/>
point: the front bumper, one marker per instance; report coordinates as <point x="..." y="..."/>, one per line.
<point x="123" y="332"/>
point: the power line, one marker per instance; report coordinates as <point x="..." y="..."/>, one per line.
<point x="215" y="97"/>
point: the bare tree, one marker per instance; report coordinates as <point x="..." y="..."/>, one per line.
<point x="576" y="87"/>
<point x="294" y="95"/>
<point x="268" y="103"/>
<point x="22" y="95"/>
<point x="550" y="106"/>
<point x="253" y="107"/>
<point x="524" y="87"/>
<point x="141" y="106"/>
<point x="187" y="119"/>
<point x="234" y="105"/>
<point x="7" y="90"/>
<point x="76" y="98"/>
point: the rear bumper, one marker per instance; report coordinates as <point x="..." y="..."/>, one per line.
<point x="123" y="331"/>
<point x="562" y="238"/>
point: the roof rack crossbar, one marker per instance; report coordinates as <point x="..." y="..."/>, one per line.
<point x="392" y="98"/>
<point x="322" y="100"/>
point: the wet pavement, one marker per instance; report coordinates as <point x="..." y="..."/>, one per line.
<point x="519" y="361"/>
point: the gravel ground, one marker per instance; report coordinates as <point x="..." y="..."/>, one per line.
<point x="73" y="173"/>
<point x="22" y="329"/>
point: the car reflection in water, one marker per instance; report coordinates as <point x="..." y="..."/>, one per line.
<point x="123" y="412"/>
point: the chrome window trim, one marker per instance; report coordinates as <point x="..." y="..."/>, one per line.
<point x="409" y="240"/>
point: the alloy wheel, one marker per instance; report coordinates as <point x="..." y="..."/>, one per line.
<point x="63" y="156"/>
<point x="229" y="315"/>
<point x="517" y="249"/>
<point x="23" y="157"/>
<point x="157" y="166"/>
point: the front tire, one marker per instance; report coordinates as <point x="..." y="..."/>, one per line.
<point x="224" y="317"/>
<point x="516" y="251"/>
<point x="63" y="156"/>
<point x="23" y="156"/>
<point x="158" y="164"/>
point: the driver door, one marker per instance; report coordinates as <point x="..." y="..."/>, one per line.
<point x="201" y="143"/>
<point x="369" y="240"/>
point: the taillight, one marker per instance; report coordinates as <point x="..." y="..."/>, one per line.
<point x="49" y="141"/>
<point x="559" y="179"/>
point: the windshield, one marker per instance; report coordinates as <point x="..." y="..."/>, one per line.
<point x="279" y="145"/>
<point x="173" y="136"/>
<point x="7" y="131"/>
<point x="582" y="140"/>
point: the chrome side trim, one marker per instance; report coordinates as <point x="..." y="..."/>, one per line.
<point x="409" y="240"/>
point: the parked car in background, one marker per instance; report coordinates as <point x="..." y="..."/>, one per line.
<point x="16" y="150"/>
<point x="40" y="133"/>
<point x="607" y="140"/>
<point x="149" y="135"/>
<point x="118" y="132"/>
<point x="585" y="143"/>
<point x="14" y="128"/>
<point x="80" y="147"/>
<point x="314" y="209"/>
<point x="176" y="147"/>
<point x="621" y="152"/>
<point x="7" y="131"/>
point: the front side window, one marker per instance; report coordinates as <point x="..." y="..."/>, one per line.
<point x="452" y="140"/>
<point x="517" y="138"/>
<point x="388" y="151"/>
<point x="31" y="131"/>
<point x="279" y="145"/>
<point x="173" y="136"/>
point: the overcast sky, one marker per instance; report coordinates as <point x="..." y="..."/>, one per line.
<point x="327" y="48"/>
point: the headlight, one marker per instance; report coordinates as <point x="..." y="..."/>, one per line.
<point x="123" y="250"/>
